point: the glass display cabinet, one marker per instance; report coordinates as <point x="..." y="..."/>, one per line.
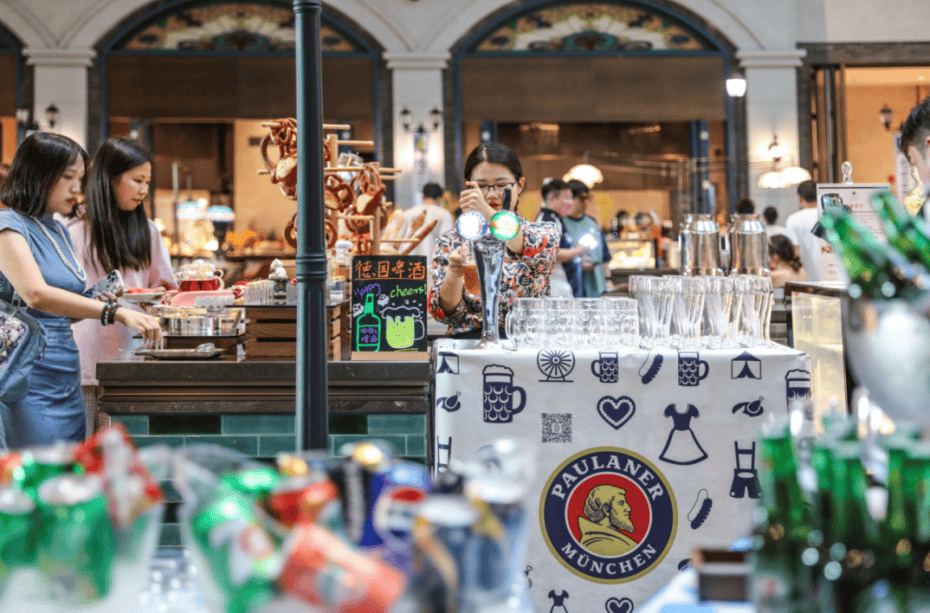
<point x="815" y="326"/>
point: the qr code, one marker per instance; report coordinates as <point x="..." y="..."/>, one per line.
<point x="557" y="427"/>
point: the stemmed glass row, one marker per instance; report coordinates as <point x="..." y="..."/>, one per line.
<point x="713" y="312"/>
<point x="675" y="311"/>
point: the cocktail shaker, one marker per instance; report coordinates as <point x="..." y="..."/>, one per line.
<point x="706" y="238"/>
<point x="748" y="246"/>
<point x="686" y="246"/>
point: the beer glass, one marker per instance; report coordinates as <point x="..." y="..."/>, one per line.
<point x="718" y="305"/>
<point x="589" y="327"/>
<point x="470" y="270"/>
<point x="559" y="323"/>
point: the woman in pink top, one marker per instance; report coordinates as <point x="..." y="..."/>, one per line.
<point x="114" y="233"/>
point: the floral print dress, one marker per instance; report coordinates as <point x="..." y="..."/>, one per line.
<point x="523" y="276"/>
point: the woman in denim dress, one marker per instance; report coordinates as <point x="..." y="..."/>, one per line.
<point x="37" y="260"/>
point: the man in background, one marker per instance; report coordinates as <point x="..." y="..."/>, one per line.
<point x="566" y="280"/>
<point x="433" y="205"/>
<point x="585" y="230"/>
<point x="745" y="207"/>
<point x="799" y="226"/>
<point x="770" y="214"/>
<point x="915" y="137"/>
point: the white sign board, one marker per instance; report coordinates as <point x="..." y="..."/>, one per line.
<point x="857" y="199"/>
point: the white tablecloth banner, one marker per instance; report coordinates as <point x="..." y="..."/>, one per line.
<point x="643" y="455"/>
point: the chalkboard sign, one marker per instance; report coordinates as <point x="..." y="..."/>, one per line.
<point x="388" y="306"/>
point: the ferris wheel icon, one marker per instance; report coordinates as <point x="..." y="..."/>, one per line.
<point x="555" y="364"/>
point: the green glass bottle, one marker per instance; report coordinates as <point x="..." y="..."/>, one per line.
<point x="899" y="527"/>
<point x="917" y="486"/>
<point x="781" y="580"/>
<point x="856" y="532"/>
<point x="368" y="327"/>
<point x="875" y="271"/>
<point x="907" y="233"/>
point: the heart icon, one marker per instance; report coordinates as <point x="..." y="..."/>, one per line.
<point x="616" y="411"/>
<point x="619" y="605"/>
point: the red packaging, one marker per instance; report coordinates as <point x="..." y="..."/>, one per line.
<point x="324" y="571"/>
<point x="130" y="488"/>
<point x="284" y="500"/>
<point x="9" y="463"/>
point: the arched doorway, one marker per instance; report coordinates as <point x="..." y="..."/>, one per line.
<point x="194" y="80"/>
<point x="629" y="83"/>
<point x="13" y="120"/>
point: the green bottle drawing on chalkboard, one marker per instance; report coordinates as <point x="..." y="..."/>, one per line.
<point x="368" y="327"/>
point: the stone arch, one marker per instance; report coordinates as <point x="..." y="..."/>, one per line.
<point x="733" y="37"/>
<point x="146" y="10"/>
<point x="21" y="23"/>
<point x="98" y="24"/>
<point x="711" y="16"/>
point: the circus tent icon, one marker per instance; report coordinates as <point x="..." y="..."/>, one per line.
<point x="746" y="366"/>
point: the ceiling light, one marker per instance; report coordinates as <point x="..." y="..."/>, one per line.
<point x="794" y="175"/>
<point x="586" y="173"/>
<point x="770" y="180"/>
<point x="736" y="86"/>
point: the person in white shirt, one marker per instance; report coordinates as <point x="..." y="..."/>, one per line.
<point x="798" y="229"/>
<point x="432" y="204"/>
<point x="770" y="214"/>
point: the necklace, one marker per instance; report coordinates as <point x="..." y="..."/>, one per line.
<point x="77" y="272"/>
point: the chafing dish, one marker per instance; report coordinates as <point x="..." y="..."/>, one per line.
<point x="195" y="321"/>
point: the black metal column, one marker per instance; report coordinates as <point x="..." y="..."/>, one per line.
<point x="312" y="397"/>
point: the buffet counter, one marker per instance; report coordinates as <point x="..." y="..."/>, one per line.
<point x="262" y="386"/>
<point x="257" y="386"/>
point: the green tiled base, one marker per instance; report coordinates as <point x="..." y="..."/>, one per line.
<point x="267" y="435"/>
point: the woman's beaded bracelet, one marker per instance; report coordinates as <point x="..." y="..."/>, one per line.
<point x="105" y="313"/>
<point x="111" y="316"/>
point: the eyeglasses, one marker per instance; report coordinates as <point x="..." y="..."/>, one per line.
<point x="495" y="187"/>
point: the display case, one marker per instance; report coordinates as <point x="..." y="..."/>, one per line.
<point x="815" y="326"/>
<point x="629" y="254"/>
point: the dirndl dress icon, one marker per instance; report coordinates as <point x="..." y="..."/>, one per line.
<point x="682" y="446"/>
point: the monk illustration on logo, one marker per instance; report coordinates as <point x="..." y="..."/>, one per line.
<point x="607" y="512"/>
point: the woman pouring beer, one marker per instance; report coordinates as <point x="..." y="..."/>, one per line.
<point x="490" y="171"/>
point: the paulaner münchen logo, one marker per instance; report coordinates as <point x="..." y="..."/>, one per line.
<point x="608" y="515"/>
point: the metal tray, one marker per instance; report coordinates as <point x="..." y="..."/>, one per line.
<point x="180" y="354"/>
<point x="184" y="321"/>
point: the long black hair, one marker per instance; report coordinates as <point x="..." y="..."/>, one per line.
<point x="39" y="163"/>
<point x="782" y="247"/>
<point x="493" y="153"/>
<point x="118" y="240"/>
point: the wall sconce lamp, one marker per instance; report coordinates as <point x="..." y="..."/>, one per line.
<point x="25" y="123"/>
<point x="52" y="113"/>
<point x="885" y="116"/>
<point x="405" y="120"/>
<point x="776" y="149"/>
<point x="786" y="177"/>
<point x="736" y="86"/>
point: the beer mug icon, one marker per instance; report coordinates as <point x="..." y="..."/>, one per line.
<point x="607" y="367"/>
<point x="499" y="392"/>
<point x="691" y="368"/>
<point x="797" y="385"/>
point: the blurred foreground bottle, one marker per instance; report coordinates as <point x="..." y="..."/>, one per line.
<point x="907" y="233"/>
<point x="782" y="583"/>
<point x="875" y="271"/>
